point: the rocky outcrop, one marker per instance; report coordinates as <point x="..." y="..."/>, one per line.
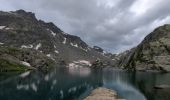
<point x="14" y="59"/>
<point x="102" y="94"/>
<point x="153" y="53"/>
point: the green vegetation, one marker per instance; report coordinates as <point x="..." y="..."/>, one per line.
<point x="6" y="65"/>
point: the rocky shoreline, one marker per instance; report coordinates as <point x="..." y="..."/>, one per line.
<point x="103" y="94"/>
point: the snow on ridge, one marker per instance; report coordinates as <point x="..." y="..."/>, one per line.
<point x="38" y="46"/>
<point x="29" y="46"/>
<point x="25" y="63"/>
<point x="2" y="27"/>
<point x="65" y="40"/>
<point x="56" y="51"/>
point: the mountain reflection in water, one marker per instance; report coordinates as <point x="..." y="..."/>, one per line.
<point x="73" y="84"/>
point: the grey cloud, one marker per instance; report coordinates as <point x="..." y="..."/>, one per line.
<point x="114" y="28"/>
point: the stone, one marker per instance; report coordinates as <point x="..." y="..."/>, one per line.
<point x="103" y="94"/>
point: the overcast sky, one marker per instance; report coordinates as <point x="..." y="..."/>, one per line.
<point x="115" y="25"/>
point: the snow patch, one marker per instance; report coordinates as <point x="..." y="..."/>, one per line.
<point x="29" y="46"/>
<point x="56" y="51"/>
<point x="2" y="27"/>
<point x="48" y="55"/>
<point x="73" y="65"/>
<point x="79" y="63"/>
<point x="54" y="46"/>
<point x="38" y="46"/>
<point x="83" y="62"/>
<point x="54" y="34"/>
<point x="23" y="75"/>
<point x="26" y="63"/>
<point x="75" y="45"/>
<point x="1" y="43"/>
<point x="65" y="40"/>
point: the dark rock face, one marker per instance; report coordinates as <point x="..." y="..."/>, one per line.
<point x="153" y="53"/>
<point x="21" y="30"/>
<point x="98" y="49"/>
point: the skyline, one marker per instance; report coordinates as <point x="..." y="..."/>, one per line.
<point x="113" y="25"/>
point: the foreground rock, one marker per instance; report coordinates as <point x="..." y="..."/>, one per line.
<point x="102" y="94"/>
<point x="153" y="53"/>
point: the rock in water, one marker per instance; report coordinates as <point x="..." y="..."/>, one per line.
<point x="102" y="94"/>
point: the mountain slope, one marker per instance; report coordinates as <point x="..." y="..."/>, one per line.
<point x="153" y="53"/>
<point x="23" y="31"/>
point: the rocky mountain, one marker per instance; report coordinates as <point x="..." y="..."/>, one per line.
<point x="153" y="53"/>
<point x="26" y="41"/>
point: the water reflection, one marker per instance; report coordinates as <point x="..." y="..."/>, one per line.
<point x="71" y="84"/>
<point x="121" y="82"/>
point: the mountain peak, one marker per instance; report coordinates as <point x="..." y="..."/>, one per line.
<point x="25" y="13"/>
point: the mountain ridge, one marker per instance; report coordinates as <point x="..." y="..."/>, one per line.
<point x="21" y="30"/>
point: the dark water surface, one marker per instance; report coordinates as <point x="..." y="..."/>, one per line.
<point x="75" y="84"/>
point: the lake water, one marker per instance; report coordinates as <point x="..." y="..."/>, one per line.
<point x="75" y="84"/>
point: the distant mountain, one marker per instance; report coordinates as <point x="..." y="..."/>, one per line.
<point x="26" y="41"/>
<point x="153" y="53"/>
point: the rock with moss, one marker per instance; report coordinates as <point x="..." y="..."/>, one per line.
<point x="153" y="53"/>
<point x="15" y="59"/>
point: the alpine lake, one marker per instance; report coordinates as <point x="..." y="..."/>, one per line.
<point x="77" y="83"/>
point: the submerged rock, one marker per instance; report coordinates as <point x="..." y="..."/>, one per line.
<point x="102" y="94"/>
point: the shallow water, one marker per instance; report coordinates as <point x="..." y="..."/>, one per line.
<point x="75" y="84"/>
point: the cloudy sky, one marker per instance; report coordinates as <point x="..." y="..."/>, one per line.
<point x="115" y="25"/>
